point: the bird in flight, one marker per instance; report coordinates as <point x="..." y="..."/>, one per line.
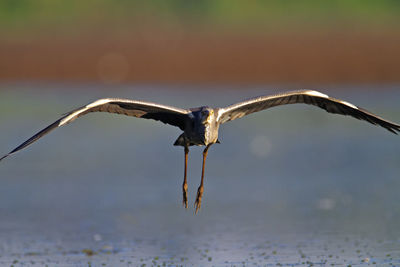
<point x="200" y="125"/>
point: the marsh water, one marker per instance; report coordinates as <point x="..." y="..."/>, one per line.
<point x="290" y="186"/>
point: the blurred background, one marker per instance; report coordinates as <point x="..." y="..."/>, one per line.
<point x="291" y="186"/>
<point x="304" y="42"/>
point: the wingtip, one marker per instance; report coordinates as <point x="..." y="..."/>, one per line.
<point x="5" y="156"/>
<point x="396" y="130"/>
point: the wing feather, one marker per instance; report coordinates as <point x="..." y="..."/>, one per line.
<point x="315" y="98"/>
<point x="166" y="114"/>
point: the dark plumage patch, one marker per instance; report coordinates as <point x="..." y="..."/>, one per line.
<point x="174" y="119"/>
<point x="168" y="118"/>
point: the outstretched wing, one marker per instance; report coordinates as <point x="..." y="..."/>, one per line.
<point x="166" y="114"/>
<point x="309" y="97"/>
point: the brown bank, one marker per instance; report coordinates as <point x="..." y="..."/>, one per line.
<point x="151" y="56"/>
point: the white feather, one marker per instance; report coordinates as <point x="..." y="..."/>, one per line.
<point x="348" y="104"/>
<point x="316" y="93"/>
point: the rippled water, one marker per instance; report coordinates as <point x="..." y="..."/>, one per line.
<point x="291" y="186"/>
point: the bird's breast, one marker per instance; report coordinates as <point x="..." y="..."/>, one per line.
<point x="200" y="134"/>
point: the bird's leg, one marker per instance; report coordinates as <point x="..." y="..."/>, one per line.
<point x="200" y="190"/>
<point x="184" y="185"/>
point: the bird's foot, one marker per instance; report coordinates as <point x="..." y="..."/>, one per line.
<point x="197" y="203"/>
<point x="185" y="195"/>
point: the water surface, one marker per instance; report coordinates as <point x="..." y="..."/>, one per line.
<point x="291" y="186"/>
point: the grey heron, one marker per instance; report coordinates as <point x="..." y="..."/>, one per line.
<point x="200" y="125"/>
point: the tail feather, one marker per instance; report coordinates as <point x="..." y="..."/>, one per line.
<point x="180" y="141"/>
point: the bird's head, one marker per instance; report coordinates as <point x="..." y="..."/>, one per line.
<point x="206" y="115"/>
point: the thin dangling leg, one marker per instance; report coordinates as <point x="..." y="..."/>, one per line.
<point x="184" y="185"/>
<point x="200" y="190"/>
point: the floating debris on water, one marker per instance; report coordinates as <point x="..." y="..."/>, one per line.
<point x="88" y="252"/>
